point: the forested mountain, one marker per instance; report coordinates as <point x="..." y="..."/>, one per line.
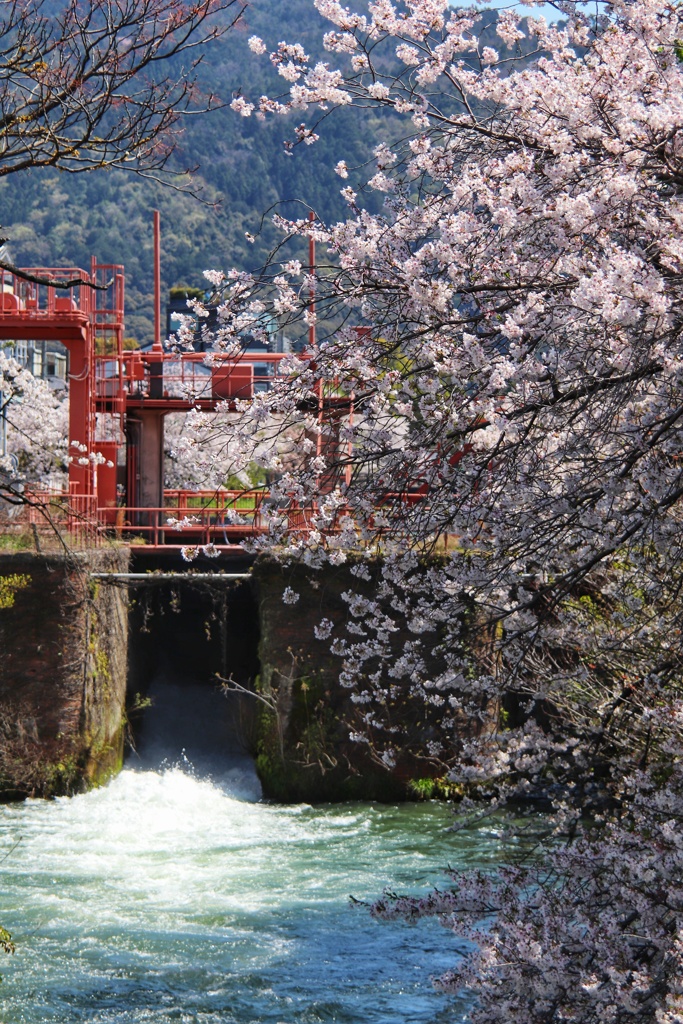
<point x="242" y="169"/>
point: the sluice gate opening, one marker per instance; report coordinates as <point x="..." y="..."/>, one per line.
<point x="188" y="634"/>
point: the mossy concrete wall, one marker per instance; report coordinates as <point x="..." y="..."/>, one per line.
<point x="65" y="666"/>
<point x="303" y="747"/>
<point x="62" y="672"/>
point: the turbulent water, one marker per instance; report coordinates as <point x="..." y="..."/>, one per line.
<point x="175" y="894"/>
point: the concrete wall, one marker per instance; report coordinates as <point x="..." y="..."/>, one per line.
<point x="65" y="661"/>
<point x="63" y="665"/>
<point x="303" y="750"/>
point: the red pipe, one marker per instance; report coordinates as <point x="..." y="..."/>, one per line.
<point x="157" y="280"/>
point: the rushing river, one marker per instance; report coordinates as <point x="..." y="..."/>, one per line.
<point x="177" y="895"/>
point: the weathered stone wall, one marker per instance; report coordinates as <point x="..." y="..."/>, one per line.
<point x="63" y="669"/>
<point x="303" y="749"/>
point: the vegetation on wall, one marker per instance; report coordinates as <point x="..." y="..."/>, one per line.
<point x="9" y="585"/>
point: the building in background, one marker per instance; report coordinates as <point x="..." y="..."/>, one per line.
<point x="45" y="359"/>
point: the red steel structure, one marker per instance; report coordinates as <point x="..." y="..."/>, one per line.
<point x="34" y="309"/>
<point x="118" y="400"/>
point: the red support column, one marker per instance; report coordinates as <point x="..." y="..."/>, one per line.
<point x="145" y="459"/>
<point x="81" y="415"/>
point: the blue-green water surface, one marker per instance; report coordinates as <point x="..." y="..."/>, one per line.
<point x="168" y="897"/>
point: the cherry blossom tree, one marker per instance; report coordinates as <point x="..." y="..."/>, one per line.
<point x="200" y="455"/>
<point x="34" y="425"/>
<point x="505" y="372"/>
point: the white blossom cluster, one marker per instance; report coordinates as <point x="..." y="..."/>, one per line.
<point x="36" y="424"/>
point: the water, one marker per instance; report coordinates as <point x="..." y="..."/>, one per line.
<point x="176" y="895"/>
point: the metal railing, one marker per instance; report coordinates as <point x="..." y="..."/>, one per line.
<point x="222" y="518"/>
<point x="187" y="377"/>
<point x="40" y="300"/>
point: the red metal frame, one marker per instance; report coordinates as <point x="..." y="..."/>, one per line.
<point x="105" y="385"/>
<point x="91" y="308"/>
<point x="173" y="382"/>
